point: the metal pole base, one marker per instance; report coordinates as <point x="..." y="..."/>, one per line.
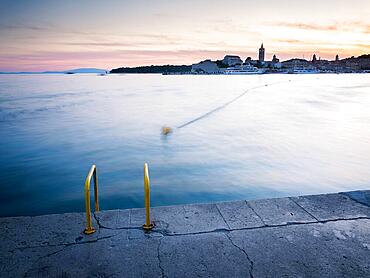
<point x="89" y="231"/>
<point x="148" y="227"/>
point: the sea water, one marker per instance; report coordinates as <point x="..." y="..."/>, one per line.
<point x="233" y="138"/>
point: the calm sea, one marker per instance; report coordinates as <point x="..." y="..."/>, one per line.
<point x="234" y="137"/>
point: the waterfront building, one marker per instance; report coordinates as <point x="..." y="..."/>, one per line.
<point x="232" y="60"/>
<point x="273" y="64"/>
<point x="261" y="54"/>
<point x="298" y="66"/>
<point x="248" y="60"/>
<point x="352" y="64"/>
<point x="206" y="66"/>
<point x="252" y="62"/>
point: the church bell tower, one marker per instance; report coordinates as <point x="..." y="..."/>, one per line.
<point x="261" y="54"/>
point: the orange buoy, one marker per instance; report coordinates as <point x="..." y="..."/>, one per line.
<point x="166" y="130"/>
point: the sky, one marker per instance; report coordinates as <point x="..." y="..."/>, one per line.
<point x="38" y="35"/>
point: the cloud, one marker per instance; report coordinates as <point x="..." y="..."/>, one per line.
<point x="22" y="26"/>
<point x="293" y="41"/>
<point x="323" y="44"/>
<point x="337" y="26"/>
<point x="45" y="27"/>
<point x="115" y="44"/>
<point x="307" y="26"/>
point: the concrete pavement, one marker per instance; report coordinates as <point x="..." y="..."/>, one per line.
<point x="309" y="236"/>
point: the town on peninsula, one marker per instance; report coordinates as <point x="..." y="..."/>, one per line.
<point x="233" y="64"/>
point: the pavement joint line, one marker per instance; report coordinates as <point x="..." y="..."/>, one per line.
<point x="263" y="222"/>
<point x="245" y="253"/>
<point x="218" y="209"/>
<point x="309" y="213"/>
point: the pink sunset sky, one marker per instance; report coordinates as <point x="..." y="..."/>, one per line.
<point x="58" y="35"/>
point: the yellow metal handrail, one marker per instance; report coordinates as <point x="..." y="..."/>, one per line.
<point x="89" y="228"/>
<point x="148" y="225"/>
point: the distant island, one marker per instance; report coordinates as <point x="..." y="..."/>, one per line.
<point x="85" y="70"/>
<point x="233" y="64"/>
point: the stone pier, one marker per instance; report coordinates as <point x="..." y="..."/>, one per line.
<point x="309" y="236"/>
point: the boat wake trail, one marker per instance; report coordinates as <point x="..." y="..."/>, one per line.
<point x="223" y="105"/>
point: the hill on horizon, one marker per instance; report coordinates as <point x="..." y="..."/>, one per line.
<point x="86" y="70"/>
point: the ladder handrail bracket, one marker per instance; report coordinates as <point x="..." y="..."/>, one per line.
<point x="148" y="225"/>
<point x="92" y="174"/>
